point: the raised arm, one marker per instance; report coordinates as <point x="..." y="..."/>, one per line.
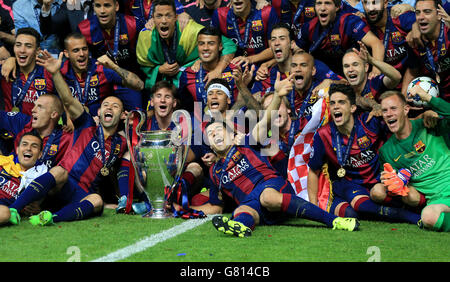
<point x="52" y="65"/>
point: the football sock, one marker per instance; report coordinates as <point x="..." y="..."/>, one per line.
<point x="34" y="191"/>
<point x="347" y="211"/>
<point x="74" y="211"/>
<point x="298" y="207"/>
<point x="365" y="205"/>
<point x="246" y="219"/>
<point x="443" y="222"/>
<point x="122" y="178"/>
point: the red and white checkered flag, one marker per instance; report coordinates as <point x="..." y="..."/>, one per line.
<point x="302" y="147"/>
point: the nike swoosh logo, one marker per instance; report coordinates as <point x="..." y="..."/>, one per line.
<point x="397" y="158"/>
<point x="205" y="20"/>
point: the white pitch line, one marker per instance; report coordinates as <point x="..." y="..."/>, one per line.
<point x="152" y="240"/>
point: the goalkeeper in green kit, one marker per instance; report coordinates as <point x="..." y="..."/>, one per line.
<point x="417" y="158"/>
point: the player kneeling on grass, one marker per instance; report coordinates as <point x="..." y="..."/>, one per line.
<point x="17" y="170"/>
<point x="262" y="195"/>
<point x="423" y="151"/>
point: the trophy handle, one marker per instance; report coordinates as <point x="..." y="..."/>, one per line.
<point x="138" y="118"/>
<point x="181" y="136"/>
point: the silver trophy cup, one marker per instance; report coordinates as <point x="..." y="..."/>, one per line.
<point x="158" y="157"/>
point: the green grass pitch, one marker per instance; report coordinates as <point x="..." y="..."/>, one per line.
<point x="297" y="240"/>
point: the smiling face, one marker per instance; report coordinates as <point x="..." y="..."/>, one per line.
<point x="110" y="112"/>
<point x="165" y="20"/>
<point x="25" y="50"/>
<point x="355" y="69"/>
<point x="209" y="47"/>
<point x="220" y="140"/>
<point x="395" y="114"/>
<point x="163" y="102"/>
<point x="106" y="12"/>
<point x="326" y="11"/>
<point x="302" y="65"/>
<point x="29" y="151"/>
<point x="427" y="17"/>
<point x="77" y="52"/>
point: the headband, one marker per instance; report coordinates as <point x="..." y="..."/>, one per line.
<point x="221" y="87"/>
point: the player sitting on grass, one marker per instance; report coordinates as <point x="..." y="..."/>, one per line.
<point x="424" y="151"/>
<point x="16" y="170"/>
<point x="262" y="195"/>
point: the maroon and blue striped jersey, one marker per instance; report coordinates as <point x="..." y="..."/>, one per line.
<point x="362" y="165"/>
<point x="193" y="89"/>
<point x="102" y="83"/>
<point x="9" y="187"/>
<point x="257" y="27"/>
<point x="246" y="168"/>
<point x="418" y="59"/>
<point x="101" y="42"/>
<point x="39" y="81"/>
<point x="18" y="124"/>
<point x="85" y="158"/>
<point x="396" y="47"/>
<point x="344" y="33"/>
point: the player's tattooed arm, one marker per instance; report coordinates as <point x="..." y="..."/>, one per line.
<point x="129" y="79"/>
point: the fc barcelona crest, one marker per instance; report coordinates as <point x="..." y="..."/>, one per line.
<point x="123" y="39"/>
<point x="310" y="12"/>
<point x="396" y="37"/>
<point x="228" y="76"/>
<point x="420" y="147"/>
<point x="53" y="150"/>
<point x="335" y="39"/>
<point x="39" y="84"/>
<point x="94" y="80"/>
<point x="363" y="142"/>
<point x="257" y="25"/>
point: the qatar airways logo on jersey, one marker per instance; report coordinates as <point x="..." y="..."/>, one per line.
<point x="92" y="93"/>
<point x="9" y="187"/>
<point x="235" y="172"/>
<point x="422" y="165"/>
<point x="255" y="42"/>
<point x="364" y="157"/>
<point x="395" y="54"/>
<point x="95" y="145"/>
<point x="31" y="96"/>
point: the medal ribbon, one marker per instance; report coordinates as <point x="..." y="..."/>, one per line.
<point x="18" y="91"/>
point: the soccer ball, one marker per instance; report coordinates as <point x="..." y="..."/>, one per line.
<point x="426" y="83"/>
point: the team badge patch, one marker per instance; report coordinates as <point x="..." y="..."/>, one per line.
<point x="228" y="76"/>
<point x="335" y="39"/>
<point x="257" y="25"/>
<point x="53" y="150"/>
<point x="363" y="142"/>
<point x="420" y="147"/>
<point x="39" y="84"/>
<point x="236" y="157"/>
<point x="396" y="37"/>
<point x="94" y="80"/>
<point x="123" y="38"/>
<point x="310" y="12"/>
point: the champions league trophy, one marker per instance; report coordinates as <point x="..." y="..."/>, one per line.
<point x="158" y="157"/>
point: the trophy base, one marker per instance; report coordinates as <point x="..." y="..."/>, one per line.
<point x="158" y="214"/>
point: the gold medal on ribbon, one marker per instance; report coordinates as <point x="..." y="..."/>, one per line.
<point x="15" y="109"/>
<point x="104" y="171"/>
<point x="341" y="172"/>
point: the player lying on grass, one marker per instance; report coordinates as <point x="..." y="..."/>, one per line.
<point x="262" y="195"/>
<point x="424" y="151"/>
<point x="16" y="170"/>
